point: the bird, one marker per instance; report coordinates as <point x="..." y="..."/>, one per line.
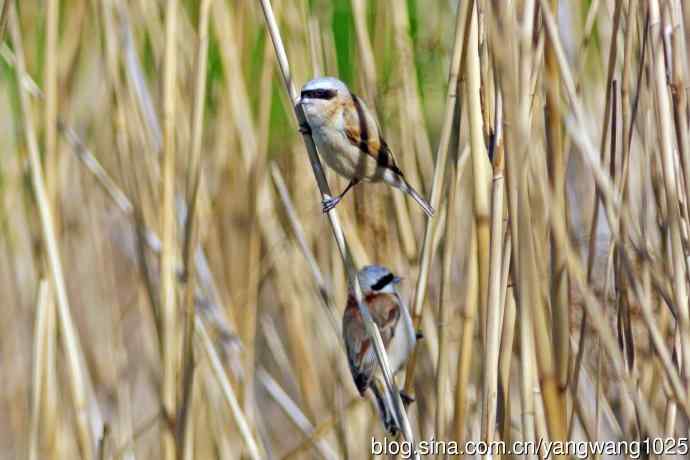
<point x="393" y="319"/>
<point x="349" y="139"/>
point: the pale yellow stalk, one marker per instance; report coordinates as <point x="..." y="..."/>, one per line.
<point x="169" y="246"/>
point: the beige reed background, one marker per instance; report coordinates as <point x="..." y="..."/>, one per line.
<point x="169" y="287"/>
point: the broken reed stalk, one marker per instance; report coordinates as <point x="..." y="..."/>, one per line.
<point x="371" y="328"/>
<point x="78" y="381"/>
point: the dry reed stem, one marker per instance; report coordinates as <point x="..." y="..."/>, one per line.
<point x="169" y="246"/>
<point x="4" y="17"/>
<point x="184" y="419"/>
<point x="52" y="181"/>
<point x="506" y="351"/>
<point x="530" y="297"/>
<point x="667" y="152"/>
<point x="516" y="85"/>
<point x="442" y="372"/>
<point x="468" y="315"/>
<point x="371" y="328"/>
<point x="480" y="163"/>
<point x="632" y="260"/>
<point x="650" y="424"/>
<point x="622" y="285"/>
<point x="78" y="381"/>
<point x="418" y="172"/>
<point x="294" y="413"/>
<point x="237" y="91"/>
<point x="372" y="209"/>
<point x="228" y="393"/>
<point x="323" y="428"/>
<point x="297" y="228"/>
<point x="449" y="122"/>
<point x="254" y="278"/>
<point x="579" y="135"/>
<point x="680" y="99"/>
<point x="495" y="291"/>
<point x="41" y="333"/>
<point x="50" y="108"/>
<point x="557" y="168"/>
<point x="206" y="294"/>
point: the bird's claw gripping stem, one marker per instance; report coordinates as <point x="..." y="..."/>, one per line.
<point x="330" y="203"/>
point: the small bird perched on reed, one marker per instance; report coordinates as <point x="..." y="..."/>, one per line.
<point x="397" y="332"/>
<point x="349" y="139"/>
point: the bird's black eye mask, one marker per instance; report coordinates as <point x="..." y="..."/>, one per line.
<point x="383" y="282"/>
<point x="319" y="94"/>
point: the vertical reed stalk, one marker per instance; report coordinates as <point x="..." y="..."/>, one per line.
<point x="78" y="381"/>
<point x="168" y="223"/>
<point x="667" y="155"/>
<point x="480" y="163"/>
<point x="52" y="179"/>
<point x="468" y="315"/>
<point x="50" y="109"/>
<point x="372" y="209"/>
<point x="43" y="304"/>
<point x="185" y="432"/>
<point x="556" y="160"/>
<point x="451" y="119"/>
<point x="442" y="377"/>
<point x="495" y="292"/>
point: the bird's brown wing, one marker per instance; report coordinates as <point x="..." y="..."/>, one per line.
<point x="359" y="350"/>
<point x="361" y="356"/>
<point x="385" y="309"/>
<point x="363" y="132"/>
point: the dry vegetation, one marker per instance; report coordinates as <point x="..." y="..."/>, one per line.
<point x="171" y="289"/>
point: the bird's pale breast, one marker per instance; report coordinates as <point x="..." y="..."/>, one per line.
<point x="343" y="157"/>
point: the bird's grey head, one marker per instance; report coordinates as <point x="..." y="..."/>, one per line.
<point x="377" y="279"/>
<point x="321" y="93"/>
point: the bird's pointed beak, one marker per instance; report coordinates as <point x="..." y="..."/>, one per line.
<point x="396" y="280"/>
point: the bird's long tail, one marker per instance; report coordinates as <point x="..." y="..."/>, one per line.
<point x="386" y="408"/>
<point x="407" y="188"/>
